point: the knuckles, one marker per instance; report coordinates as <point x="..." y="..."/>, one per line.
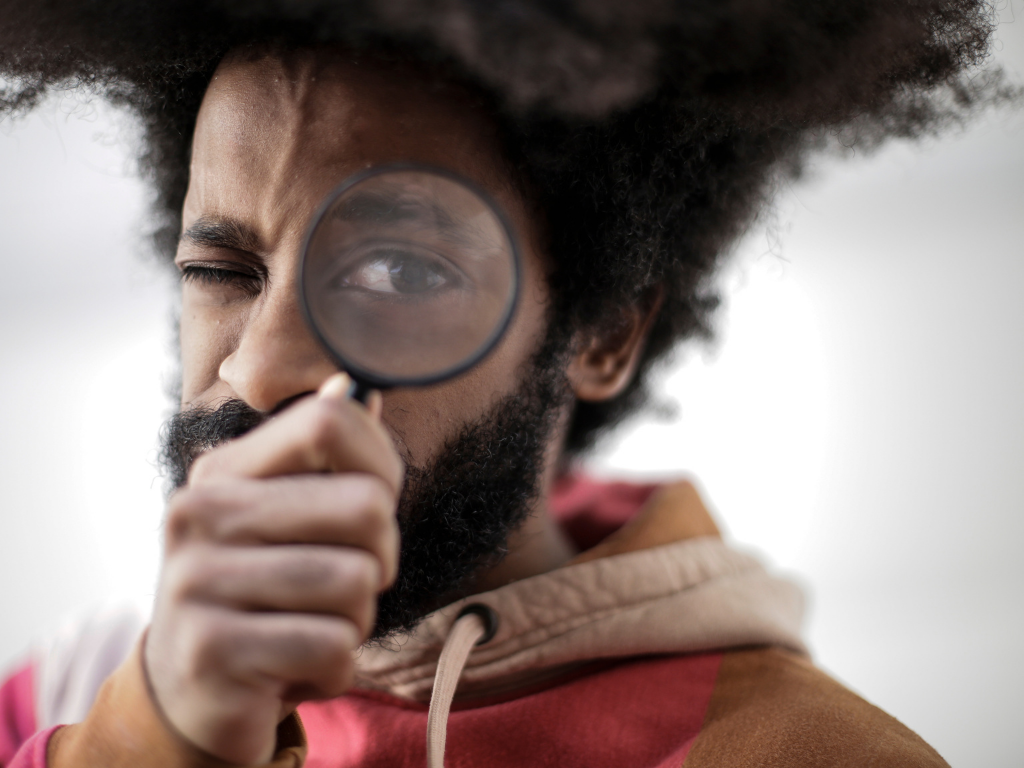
<point x="359" y="574"/>
<point x="186" y="515"/>
<point x="203" y="467"/>
<point x="213" y="644"/>
<point x="195" y="511"/>
<point x="338" y="582"/>
<point x="373" y="505"/>
<point x="338" y="667"/>
<point x="374" y="512"/>
<point x="186" y="574"/>
<point x="362" y="582"/>
<point x="207" y="647"/>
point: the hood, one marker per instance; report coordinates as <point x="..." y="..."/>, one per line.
<point x="664" y="583"/>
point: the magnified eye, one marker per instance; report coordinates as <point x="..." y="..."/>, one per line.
<point x="396" y="270"/>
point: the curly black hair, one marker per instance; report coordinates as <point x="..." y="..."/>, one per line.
<point x="650" y="133"/>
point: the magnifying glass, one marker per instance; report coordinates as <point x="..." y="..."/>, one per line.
<point x="409" y="276"/>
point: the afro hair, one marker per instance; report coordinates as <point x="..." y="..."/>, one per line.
<point x="650" y="133"/>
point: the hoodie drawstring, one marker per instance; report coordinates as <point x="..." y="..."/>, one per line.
<point x="475" y="625"/>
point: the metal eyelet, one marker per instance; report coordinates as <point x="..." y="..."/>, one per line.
<point x="486" y="613"/>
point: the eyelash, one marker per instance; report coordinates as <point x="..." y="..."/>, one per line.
<point x="211" y="275"/>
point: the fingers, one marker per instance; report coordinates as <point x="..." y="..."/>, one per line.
<point x="324" y="433"/>
<point x="345" y="510"/>
<point x="302" y="579"/>
<point x="375" y="404"/>
<point x="267" y="587"/>
<point x="276" y="551"/>
<point x="226" y="675"/>
<point x="276" y="649"/>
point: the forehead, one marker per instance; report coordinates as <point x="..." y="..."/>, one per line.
<point x="283" y="130"/>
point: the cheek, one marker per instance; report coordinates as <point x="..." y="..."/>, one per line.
<point x="422" y="419"/>
<point x="207" y="338"/>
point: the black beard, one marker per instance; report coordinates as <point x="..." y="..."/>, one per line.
<point x="456" y="513"/>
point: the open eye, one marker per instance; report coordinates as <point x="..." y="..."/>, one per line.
<point x="397" y="270"/>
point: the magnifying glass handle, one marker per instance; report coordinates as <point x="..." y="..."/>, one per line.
<point x="359" y="391"/>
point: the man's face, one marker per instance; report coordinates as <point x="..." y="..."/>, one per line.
<point x="273" y="138"/>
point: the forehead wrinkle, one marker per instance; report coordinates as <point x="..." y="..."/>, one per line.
<point x="295" y="93"/>
<point x="292" y="136"/>
<point x="257" y="125"/>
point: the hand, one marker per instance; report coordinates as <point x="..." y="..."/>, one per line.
<point x="275" y="553"/>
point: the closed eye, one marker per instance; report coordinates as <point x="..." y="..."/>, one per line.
<point x="224" y="275"/>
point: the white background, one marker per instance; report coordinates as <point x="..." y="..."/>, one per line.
<point x="860" y="421"/>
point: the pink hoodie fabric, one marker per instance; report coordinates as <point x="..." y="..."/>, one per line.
<point x="17" y="712"/>
<point x="657" y="646"/>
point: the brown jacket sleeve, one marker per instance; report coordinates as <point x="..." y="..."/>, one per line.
<point x="124" y="729"/>
<point x="774" y="708"/>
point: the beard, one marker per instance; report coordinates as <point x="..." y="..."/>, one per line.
<point x="455" y="512"/>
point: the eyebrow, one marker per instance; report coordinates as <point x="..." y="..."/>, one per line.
<point x="389" y="209"/>
<point x="219" y="232"/>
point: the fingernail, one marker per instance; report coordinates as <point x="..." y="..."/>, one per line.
<point x="375" y="403"/>
<point x="337" y="386"/>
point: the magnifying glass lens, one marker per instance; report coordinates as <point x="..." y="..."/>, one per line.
<point x="409" y="276"/>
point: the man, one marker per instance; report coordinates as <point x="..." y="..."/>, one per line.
<point x="306" y="524"/>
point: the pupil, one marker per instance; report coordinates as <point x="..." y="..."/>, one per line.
<point x="411" y="275"/>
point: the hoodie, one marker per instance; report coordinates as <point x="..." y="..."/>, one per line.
<point x="658" y="646"/>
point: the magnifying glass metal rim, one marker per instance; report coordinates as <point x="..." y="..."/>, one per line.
<point x="368" y="378"/>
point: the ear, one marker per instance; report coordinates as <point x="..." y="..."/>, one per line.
<point x="606" y="359"/>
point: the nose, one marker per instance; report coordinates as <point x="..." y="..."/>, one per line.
<point x="277" y="358"/>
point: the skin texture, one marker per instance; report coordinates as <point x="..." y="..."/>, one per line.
<point x="281" y="541"/>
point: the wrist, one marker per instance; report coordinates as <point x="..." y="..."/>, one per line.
<point x="126" y="728"/>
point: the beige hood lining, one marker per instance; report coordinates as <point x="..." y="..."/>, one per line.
<point x="689" y="595"/>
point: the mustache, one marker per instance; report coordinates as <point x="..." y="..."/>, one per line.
<point x="192" y="432"/>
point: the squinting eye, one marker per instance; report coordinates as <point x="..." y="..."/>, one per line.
<point x="397" y="271"/>
<point x="222" y="277"/>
